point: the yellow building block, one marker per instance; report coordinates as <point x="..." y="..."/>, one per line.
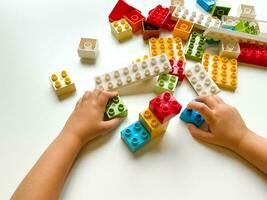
<point x="222" y="70"/>
<point x="121" y="30"/>
<point x="173" y="47"/>
<point x="152" y="124"/>
<point x="62" y="84"/>
<point x="182" y="29"/>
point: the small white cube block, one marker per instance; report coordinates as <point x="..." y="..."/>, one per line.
<point x="88" y="48"/>
<point x="229" y="48"/>
<point x="247" y="11"/>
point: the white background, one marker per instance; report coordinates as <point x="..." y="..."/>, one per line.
<point x="38" y="38"/>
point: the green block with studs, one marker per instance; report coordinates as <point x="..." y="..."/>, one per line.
<point x="246" y="27"/>
<point x="116" y="108"/>
<point x="220" y="8"/>
<point x="195" y="46"/>
<point x="166" y="82"/>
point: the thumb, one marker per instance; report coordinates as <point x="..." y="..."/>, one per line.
<point x="200" y="134"/>
<point x="111" y="124"/>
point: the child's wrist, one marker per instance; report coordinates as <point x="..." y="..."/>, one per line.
<point x="72" y="138"/>
<point x="242" y="141"/>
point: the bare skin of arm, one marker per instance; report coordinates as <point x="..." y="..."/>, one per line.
<point x="227" y="129"/>
<point x="46" y="179"/>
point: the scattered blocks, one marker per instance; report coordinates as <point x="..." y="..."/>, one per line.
<point x="120" y="9"/>
<point x="222" y="70"/>
<point x="206" y="4"/>
<point x="133" y="73"/>
<point x="88" y="48"/>
<point x="195" y="47"/>
<point x="192" y="116"/>
<point x="201" y="81"/>
<point x="116" y="108"/>
<point x="247" y="11"/>
<point x="158" y="16"/>
<point x="135" y="136"/>
<point x="134" y="18"/>
<point x="182" y="29"/>
<point x="121" y="30"/>
<point x="178" y="69"/>
<point x="165" y="82"/>
<point x="229" y="48"/>
<point x="150" y="30"/>
<point x="62" y="84"/>
<point x="220" y="8"/>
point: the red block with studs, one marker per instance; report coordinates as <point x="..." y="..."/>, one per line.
<point x="165" y="107"/>
<point x="178" y="69"/>
<point x="158" y="16"/>
<point x="169" y="24"/>
<point x="134" y="18"/>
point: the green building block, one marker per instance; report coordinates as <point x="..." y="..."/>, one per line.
<point x="116" y="108"/>
<point x="211" y="41"/>
<point x="220" y="8"/>
<point x="166" y="82"/>
<point x="195" y="46"/>
<point x="246" y="27"/>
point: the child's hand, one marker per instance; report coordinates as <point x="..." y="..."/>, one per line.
<point x="86" y="121"/>
<point x="226" y="127"/>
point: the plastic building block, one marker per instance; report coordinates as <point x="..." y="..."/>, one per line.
<point x="192" y="116"/>
<point x="150" y="30"/>
<point x="253" y="54"/>
<point x="201" y="21"/>
<point x="229" y="48"/>
<point x="88" y="48"/>
<point x="178" y="69"/>
<point x="195" y="46"/>
<point x="133" y="73"/>
<point x="165" y="107"/>
<point x="120" y="9"/>
<point x="173" y="47"/>
<point x="165" y="82"/>
<point x="211" y="41"/>
<point x="62" y="84"/>
<point x="116" y="108"/>
<point x="135" y="136"/>
<point x="121" y="30"/>
<point x="222" y="70"/>
<point x="169" y="24"/>
<point x="182" y="29"/>
<point x="206" y="4"/>
<point x="152" y="124"/>
<point x="246" y="27"/>
<point x="220" y="8"/>
<point x="177" y="3"/>
<point x="134" y="18"/>
<point x="158" y="16"/>
<point x="201" y="81"/>
<point x="247" y="11"/>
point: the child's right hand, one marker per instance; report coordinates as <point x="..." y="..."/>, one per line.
<point x="226" y="127"/>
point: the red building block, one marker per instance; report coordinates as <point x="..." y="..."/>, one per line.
<point x="169" y="24"/>
<point x="253" y="54"/>
<point x="150" y="30"/>
<point x="134" y="18"/>
<point x="178" y="69"/>
<point x="165" y="107"/>
<point x="158" y="16"/>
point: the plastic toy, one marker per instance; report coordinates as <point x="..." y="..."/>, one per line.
<point x="182" y="29"/>
<point x="247" y="11"/>
<point x="178" y="69"/>
<point x="88" y="48"/>
<point x="169" y="24"/>
<point x="192" y="116"/>
<point x="195" y="46"/>
<point x="116" y="108"/>
<point x="150" y="30"/>
<point x="220" y="8"/>
<point x="134" y="18"/>
<point x="120" y="9"/>
<point x="246" y="27"/>
<point x="165" y="82"/>
<point x="158" y="16"/>
<point x="121" y="30"/>
<point x="206" y="4"/>
<point x="229" y="48"/>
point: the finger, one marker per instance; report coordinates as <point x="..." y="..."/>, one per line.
<point x="105" y="96"/>
<point x="219" y="99"/>
<point x="86" y="96"/>
<point x="203" y="109"/>
<point x="111" y="124"/>
<point x="200" y="134"/>
<point x="96" y="93"/>
<point x="210" y="101"/>
<point x="78" y="104"/>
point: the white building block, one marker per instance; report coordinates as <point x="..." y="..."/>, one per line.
<point x="247" y="11"/>
<point x="229" y="48"/>
<point x="177" y="2"/>
<point x="88" y="48"/>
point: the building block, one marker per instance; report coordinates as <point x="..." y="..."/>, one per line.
<point x="120" y="9"/>
<point x="88" y="48"/>
<point x="133" y="73"/>
<point x="182" y="29"/>
<point x="62" y="84"/>
<point x="169" y="24"/>
<point x="192" y="116"/>
<point x="165" y="82"/>
<point x="165" y="107"/>
<point x="211" y="41"/>
<point x="135" y="136"/>
<point x="158" y="16"/>
<point x="246" y="27"/>
<point x="200" y="20"/>
<point x="150" y="30"/>
<point x="116" y="108"/>
<point x="121" y="30"/>
<point x="152" y="124"/>
<point x="247" y="11"/>
<point x="177" y="3"/>
<point x="253" y="54"/>
<point x="173" y="47"/>
<point x="229" y="48"/>
<point x="178" y="67"/>
<point x="134" y="18"/>
<point x="220" y="8"/>
<point x="201" y="81"/>
<point x="206" y="4"/>
<point x="222" y="70"/>
<point x="195" y="46"/>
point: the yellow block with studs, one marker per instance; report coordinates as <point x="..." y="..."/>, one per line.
<point x="121" y="30"/>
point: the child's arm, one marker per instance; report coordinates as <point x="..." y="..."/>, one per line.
<point x="46" y="179"/>
<point x="227" y="129"/>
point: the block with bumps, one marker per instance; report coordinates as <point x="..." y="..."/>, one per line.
<point x="206" y="4"/>
<point x="134" y="18"/>
<point x="182" y="29"/>
<point x="158" y="16"/>
<point x="178" y="67"/>
<point x="192" y="116"/>
<point x="62" y="84"/>
<point x="169" y="24"/>
<point x="195" y="46"/>
<point x="88" y="48"/>
<point x="150" y="30"/>
<point x="136" y="72"/>
<point x="201" y="81"/>
<point x="119" y="10"/>
<point x="152" y="124"/>
<point x="247" y="27"/>
<point x="165" y="82"/>
<point x="177" y="3"/>
<point x="247" y="11"/>
<point x="121" y="30"/>
<point x="135" y="136"/>
<point x="220" y="8"/>
<point x="165" y="107"/>
<point x="116" y="108"/>
<point x="173" y="47"/>
<point x="229" y="48"/>
<point x="222" y="70"/>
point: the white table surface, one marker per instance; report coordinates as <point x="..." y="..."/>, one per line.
<point x="38" y="38"/>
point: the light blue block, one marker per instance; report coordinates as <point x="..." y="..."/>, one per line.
<point x="206" y="4"/>
<point x="192" y="116"/>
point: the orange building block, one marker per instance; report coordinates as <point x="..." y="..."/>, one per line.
<point x="182" y="29"/>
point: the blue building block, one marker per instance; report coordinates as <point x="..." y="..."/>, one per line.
<point x="211" y="41"/>
<point x="192" y="116"/>
<point x="206" y="4"/>
<point x="135" y="136"/>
